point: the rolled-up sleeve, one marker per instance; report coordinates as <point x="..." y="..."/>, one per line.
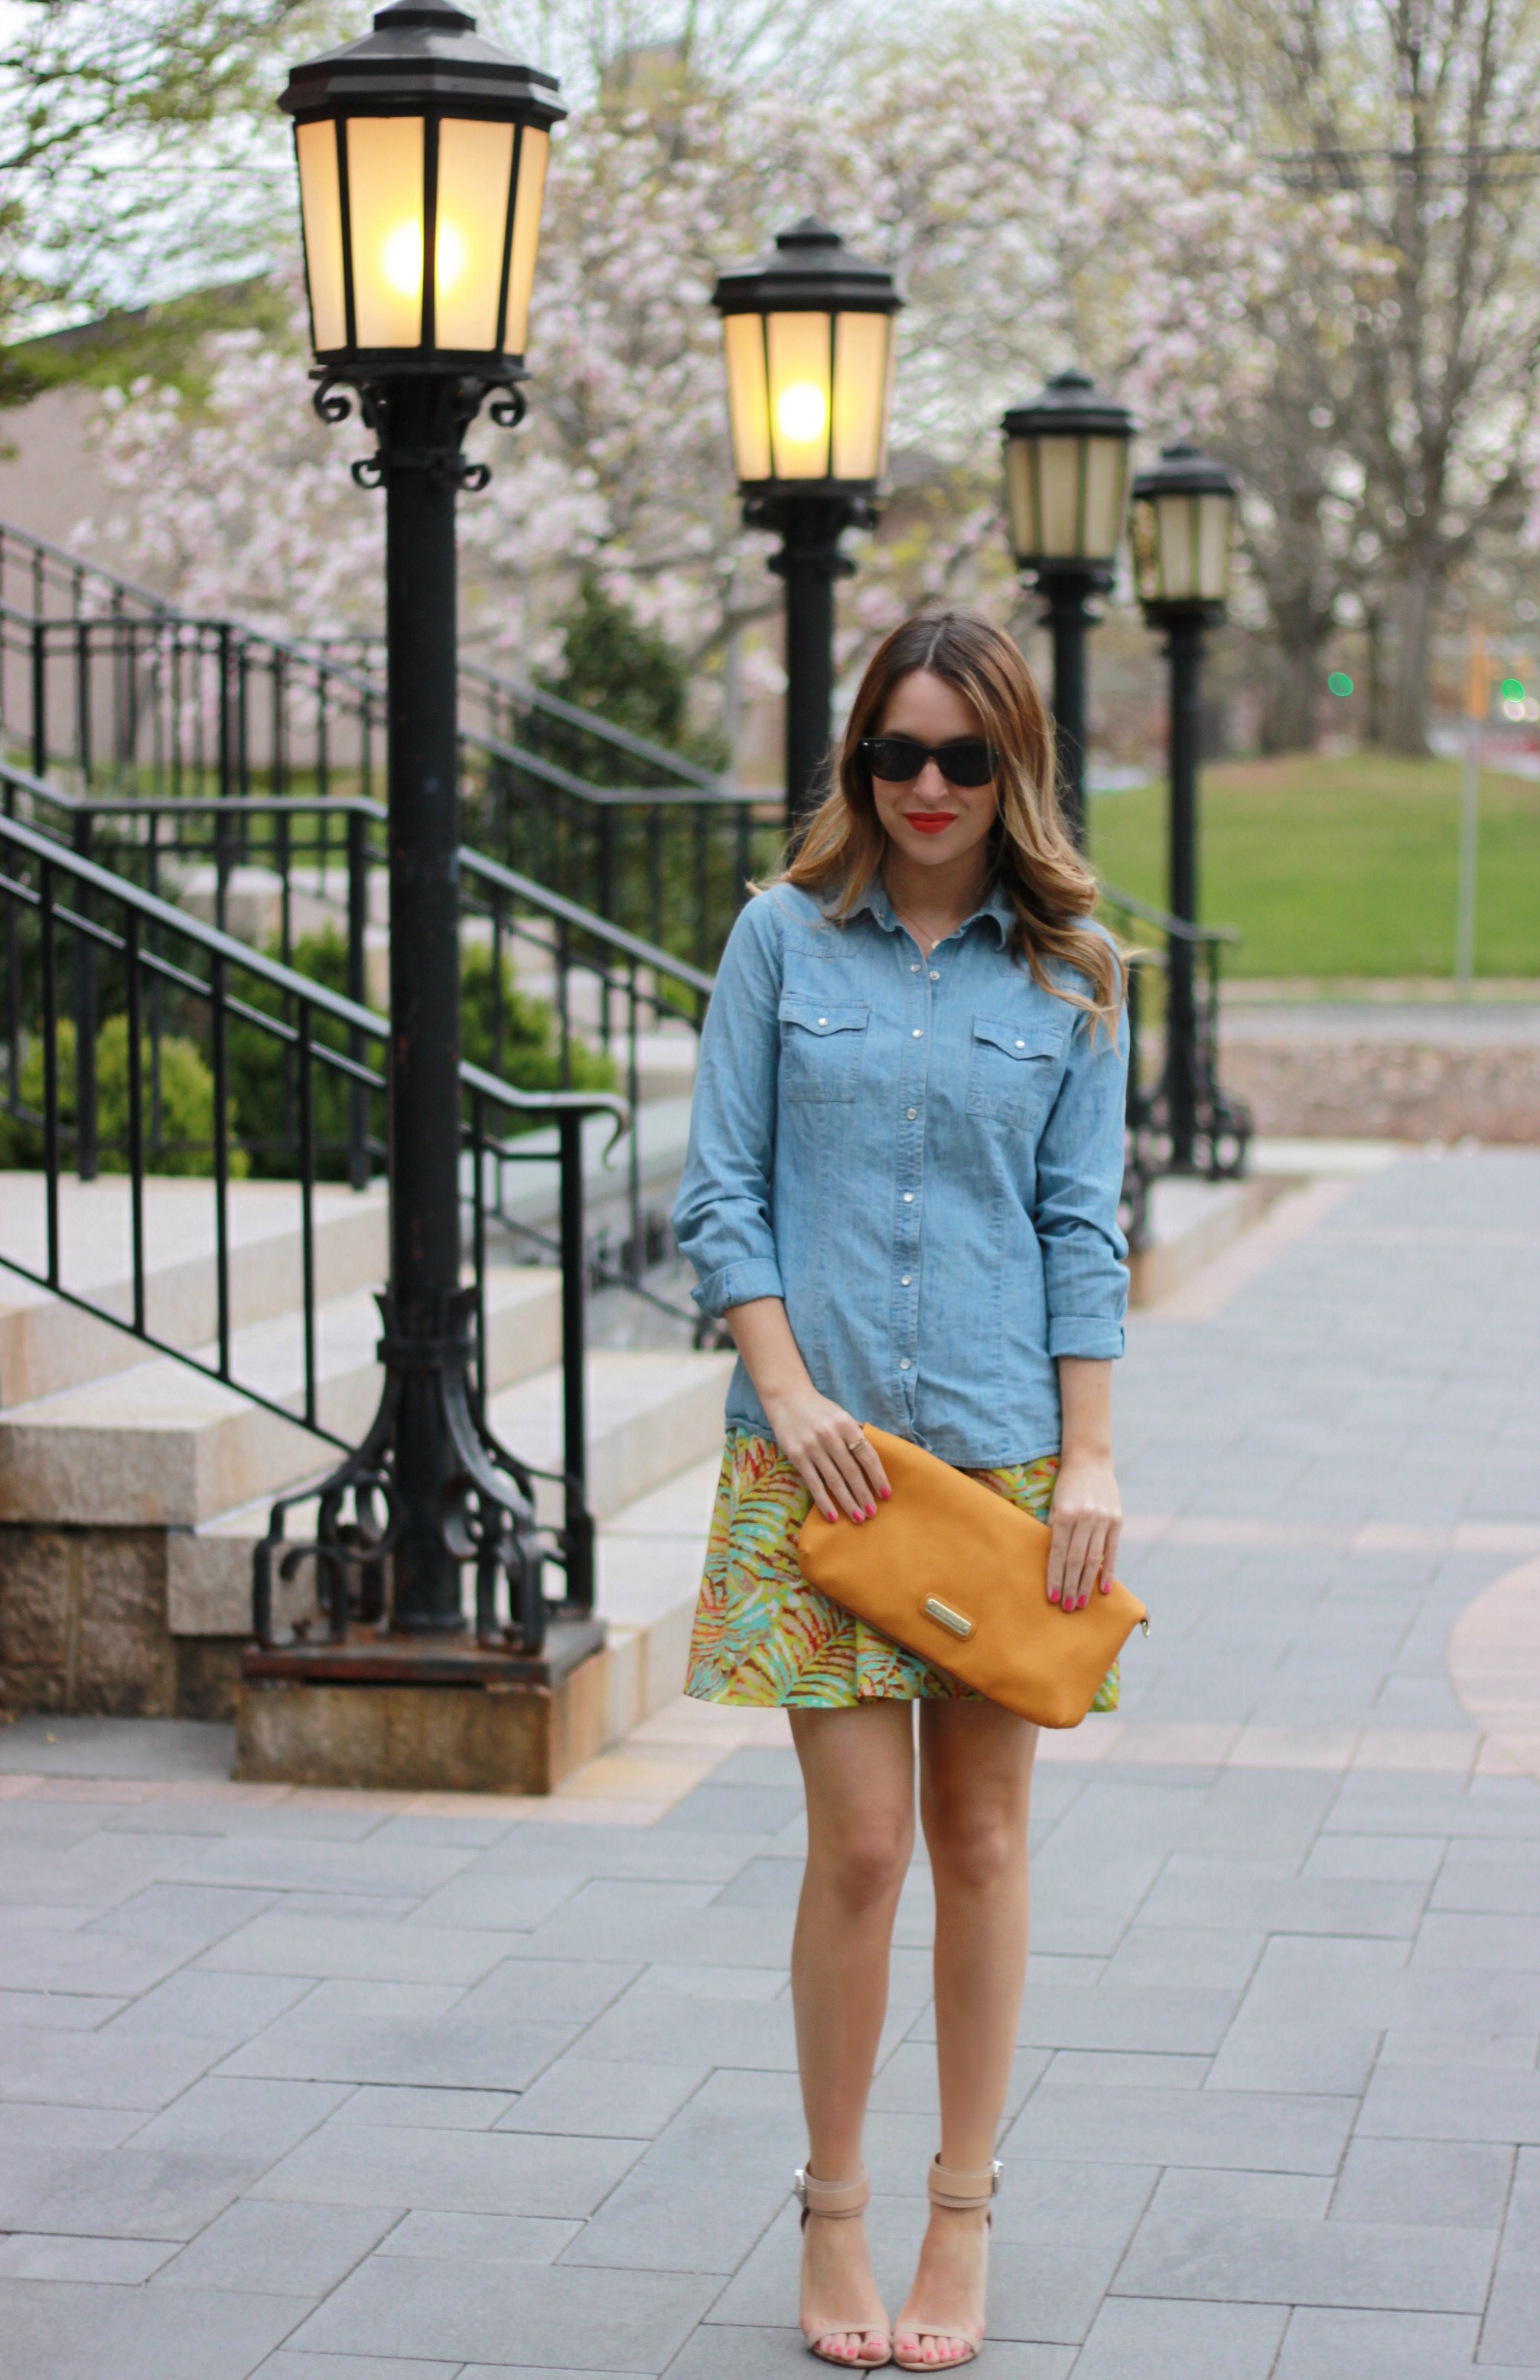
<point x="1080" y="1170"/>
<point x="722" y="1216"/>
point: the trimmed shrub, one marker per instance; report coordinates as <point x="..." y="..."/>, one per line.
<point x="187" y="1105"/>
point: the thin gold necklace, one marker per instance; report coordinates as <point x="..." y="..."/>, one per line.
<point x="927" y="943"/>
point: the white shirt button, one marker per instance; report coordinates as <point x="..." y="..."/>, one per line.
<point x="904" y="1281"/>
<point x="919" y="1033"/>
<point x="911" y="1113"/>
<point x="904" y="1363"/>
<point x="908" y="1198"/>
<point x="1021" y="1045"/>
<point x="915" y="968"/>
<point x="933" y="975"/>
<point x="824" y="1020"/>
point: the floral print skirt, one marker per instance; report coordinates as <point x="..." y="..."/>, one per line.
<point x="763" y="1636"/>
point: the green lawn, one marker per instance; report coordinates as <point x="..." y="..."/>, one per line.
<point x="1341" y="867"/>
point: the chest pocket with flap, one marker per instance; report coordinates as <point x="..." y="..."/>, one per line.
<point x="1014" y="1071"/>
<point x="821" y="1042"/>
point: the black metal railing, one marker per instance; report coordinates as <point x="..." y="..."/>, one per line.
<point x="1180" y="1118"/>
<point x="310" y="861"/>
<point x="107" y="690"/>
<point x="594" y="852"/>
<point x="224" y="1009"/>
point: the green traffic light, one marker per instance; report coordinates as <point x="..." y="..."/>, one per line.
<point x="1338" y="683"/>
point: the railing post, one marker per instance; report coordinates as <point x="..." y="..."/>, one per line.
<point x="219" y="1020"/>
<point x="563" y="998"/>
<point x="156" y="1004"/>
<point x="226" y="772"/>
<point x="82" y="696"/>
<point x="85" y="1014"/>
<point x="125" y="687"/>
<point x="578" y="1533"/>
<point x="358" y="988"/>
<point x="50" y="1065"/>
<point x="40" y="697"/>
<point x="498" y="960"/>
<point x="243" y="757"/>
<point x="136" y="1109"/>
<point x="13" y="981"/>
<point x="638" y="1265"/>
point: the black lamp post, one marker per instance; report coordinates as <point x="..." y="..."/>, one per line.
<point x="1183" y="534"/>
<point x="421" y="153"/>
<point x="808" y="333"/>
<point x="1066" y="484"/>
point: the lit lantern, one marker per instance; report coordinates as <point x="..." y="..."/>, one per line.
<point x="1066" y="479"/>
<point x="1184" y="533"/>
<point x="808" y="333"/>
<point x="420" y="141"/>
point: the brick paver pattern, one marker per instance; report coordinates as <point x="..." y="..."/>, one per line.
<point x="323" y="2088"/>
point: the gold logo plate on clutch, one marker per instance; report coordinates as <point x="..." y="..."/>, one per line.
<point x="935" y="1608"/>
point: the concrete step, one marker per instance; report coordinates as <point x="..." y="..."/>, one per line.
<point x="48" y="1345"/>
<point x="531" y="1184"/>
<point x="1191" y="1222"/>
<point x="652" y="1415"/>
<point x="159" y="1446"/>
<point x="650" y="1558"/>
<point x="653" y="1419"/>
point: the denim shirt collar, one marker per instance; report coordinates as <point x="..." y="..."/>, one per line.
<point x="996" y="907"/>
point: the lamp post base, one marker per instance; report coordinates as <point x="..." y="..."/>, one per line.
<point x="484" y="1512"/>
<point x="450" y="1717"/>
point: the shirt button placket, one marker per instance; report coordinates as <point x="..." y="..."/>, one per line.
<point x="911" y="1171"/>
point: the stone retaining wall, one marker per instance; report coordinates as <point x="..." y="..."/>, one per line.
<point x="84" y="1628"/>
<point x="1389" y="1091"/>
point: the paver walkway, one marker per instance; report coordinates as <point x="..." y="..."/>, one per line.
<point x="348" y="2088"/>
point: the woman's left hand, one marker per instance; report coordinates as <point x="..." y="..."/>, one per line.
<point x="1086" y="1521"/>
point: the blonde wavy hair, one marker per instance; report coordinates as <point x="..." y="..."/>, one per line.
<point x="1034" y="863"/>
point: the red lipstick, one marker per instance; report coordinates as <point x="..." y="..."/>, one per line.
<point x="930" y="822"/>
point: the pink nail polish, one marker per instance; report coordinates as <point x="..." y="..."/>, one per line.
<point x="871" y="1511"/>
<point x="885" y="1493"/>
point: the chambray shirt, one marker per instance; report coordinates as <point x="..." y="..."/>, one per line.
<point x="922" y="1156"/>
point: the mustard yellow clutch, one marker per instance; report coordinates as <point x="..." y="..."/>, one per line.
<point x="956" y="1572"/>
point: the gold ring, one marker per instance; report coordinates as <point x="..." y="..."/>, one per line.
<point x="852" y="1443"/>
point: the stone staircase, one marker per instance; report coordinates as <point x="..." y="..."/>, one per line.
<point x="132" y="1489"/>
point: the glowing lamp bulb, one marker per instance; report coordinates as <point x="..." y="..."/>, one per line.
<point x="401" y="258"/>
<point x="801" y="412"/>
<point x="449" y="255"/>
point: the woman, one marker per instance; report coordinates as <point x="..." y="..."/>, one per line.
<point x="901" y="1194"/>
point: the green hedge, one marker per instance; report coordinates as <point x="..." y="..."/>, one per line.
<point x="187" y="1105"/>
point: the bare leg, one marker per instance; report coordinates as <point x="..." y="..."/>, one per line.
<point x="858" y="1769"/>
<point x="976" y="1782"/>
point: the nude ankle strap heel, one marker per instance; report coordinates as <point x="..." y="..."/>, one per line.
<point x="962" y="2192"/>
<point x="834" y="2201"/>
<point x="959" y="2193"/>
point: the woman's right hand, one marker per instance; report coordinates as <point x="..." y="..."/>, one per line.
<point x="840" y="1470"/>
<point x="836" y="1463"/>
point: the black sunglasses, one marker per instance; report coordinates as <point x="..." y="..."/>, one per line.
<point x="898" y="759"/>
